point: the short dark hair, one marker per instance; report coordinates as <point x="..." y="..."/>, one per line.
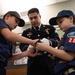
<point x="32" y="10"/>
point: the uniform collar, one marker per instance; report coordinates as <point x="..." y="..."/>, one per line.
<point x="38" y="26"/>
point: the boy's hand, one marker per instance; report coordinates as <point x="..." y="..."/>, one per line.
<point x="41" y="46"/>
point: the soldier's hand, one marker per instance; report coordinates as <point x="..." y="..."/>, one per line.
<point x="31" y="53"/>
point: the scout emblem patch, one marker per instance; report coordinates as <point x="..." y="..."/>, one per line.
<point x="71" y="37"/>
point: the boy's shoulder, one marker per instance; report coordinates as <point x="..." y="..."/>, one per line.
<point x="73" y="28"/>
<point x="3" y="24"/>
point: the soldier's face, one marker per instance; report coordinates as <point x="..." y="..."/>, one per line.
<point x="35" y="19"/>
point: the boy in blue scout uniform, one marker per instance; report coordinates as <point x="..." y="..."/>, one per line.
<point x="39" y="65"/>
<point x="9" y="22"/>
<point x="65" y="53"/>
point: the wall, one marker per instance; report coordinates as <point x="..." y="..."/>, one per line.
<point x="19" y="30"/>
<point x="49" y="11"/>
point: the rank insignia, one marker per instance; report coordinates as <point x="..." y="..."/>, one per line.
<point x="29" y="34"/>
<point x="47" y="30"/>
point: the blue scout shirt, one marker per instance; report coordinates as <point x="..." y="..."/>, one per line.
<point x="5" y="45"/>
<point x="67" y="44"/>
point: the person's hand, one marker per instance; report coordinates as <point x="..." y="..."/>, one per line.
<point x="41" y="46"/>
<point x="34" y="42"/>
<point x="31" y="52"/>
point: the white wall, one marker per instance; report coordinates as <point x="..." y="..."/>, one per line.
<point x="51" y="11"/>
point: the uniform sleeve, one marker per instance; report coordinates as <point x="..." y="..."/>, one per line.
<point x="54" y="37"/>
<point x="69" y="40"/>
<point x="69" y="44"/>
<point x="3" y="24"/>
<point x="23" y="46"/>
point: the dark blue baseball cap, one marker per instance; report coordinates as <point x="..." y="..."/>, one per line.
<point x="16" y="14"/>
<point x="63" y="13"/>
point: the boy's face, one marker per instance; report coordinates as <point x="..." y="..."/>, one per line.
<point x="35" y="19"/>
<point x="12" y="21"/>
<point x="64" y="23"/>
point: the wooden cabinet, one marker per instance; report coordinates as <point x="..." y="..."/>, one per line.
<point x="16" y="70"/>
